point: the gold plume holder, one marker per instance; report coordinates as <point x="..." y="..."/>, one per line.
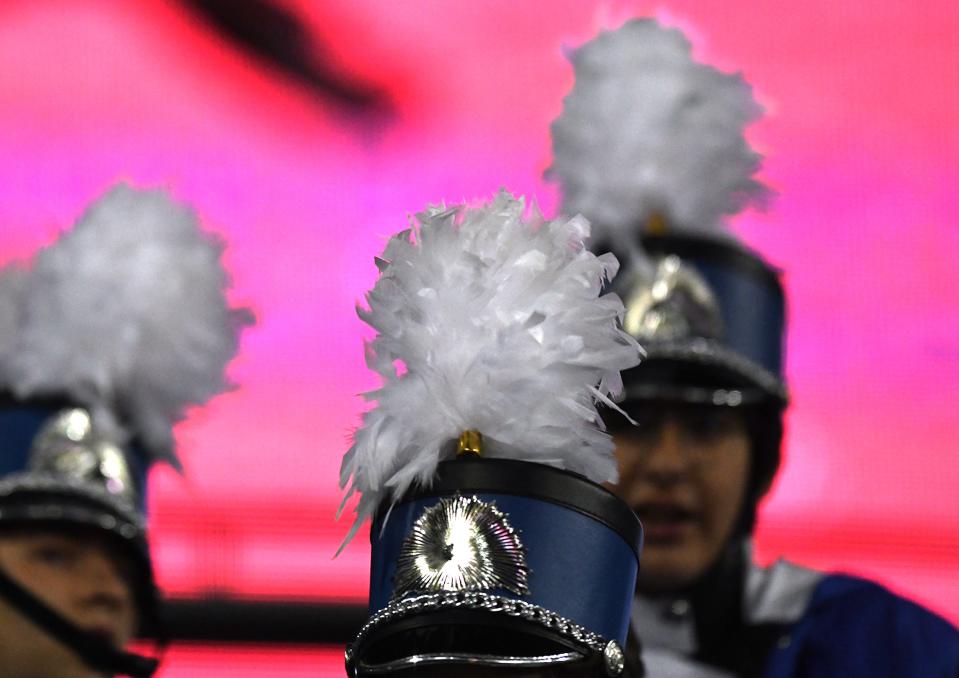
<point x="471" y="443"/>
<point x="656" y="224"/>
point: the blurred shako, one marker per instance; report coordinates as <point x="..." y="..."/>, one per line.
<point x="107" y="336"/>
<point x="494" y="549"/>
<point x="650" y="147"/>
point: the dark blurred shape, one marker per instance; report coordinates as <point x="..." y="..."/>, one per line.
<point x="278" y="38"/>
<point x="235" y="620"/>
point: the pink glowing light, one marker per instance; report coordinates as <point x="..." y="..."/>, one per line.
<point x="861" y="146"/>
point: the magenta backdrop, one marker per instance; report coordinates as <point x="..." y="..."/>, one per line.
<point x="862" y="147"/>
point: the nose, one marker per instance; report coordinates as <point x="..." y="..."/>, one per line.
<point x="104" y="586"/>
<point x="667" y="457"/>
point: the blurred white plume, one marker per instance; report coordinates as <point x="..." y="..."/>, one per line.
<point x="647" y="133"/>
<point x="12" y="282"/>
<point x="490" y="321"/>
<point x="125" y="314"/>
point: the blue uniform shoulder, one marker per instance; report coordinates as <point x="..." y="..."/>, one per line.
<point x="854" y="627"/>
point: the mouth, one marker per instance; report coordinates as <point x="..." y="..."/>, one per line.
<point x="105" y="634"/>
<point x="665" y="523"/>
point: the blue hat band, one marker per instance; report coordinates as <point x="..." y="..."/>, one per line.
<point x="579" y="568"/>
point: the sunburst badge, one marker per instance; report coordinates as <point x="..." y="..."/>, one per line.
<point x="462" y="544"/>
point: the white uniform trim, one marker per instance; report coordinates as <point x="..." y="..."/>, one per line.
<point x="777" y="594"/>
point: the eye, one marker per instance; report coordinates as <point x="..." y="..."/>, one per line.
<point x="649" y="426"/>
<point x="649" y="431"/>
<point x="58" y="556"/>
<point x="710" y="424"/>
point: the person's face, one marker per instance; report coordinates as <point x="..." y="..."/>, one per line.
<point x="684" y="470"/>
<point x="82" y="577"/>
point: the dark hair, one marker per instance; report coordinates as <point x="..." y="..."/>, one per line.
<point x="764" y="422"/>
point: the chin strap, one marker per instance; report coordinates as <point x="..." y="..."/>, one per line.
<point x="96" y="653"/>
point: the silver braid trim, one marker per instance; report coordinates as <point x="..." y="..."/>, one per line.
<point x="33" y="481"/>
<point x="709" y="352"/>
<point x="483" y="602"/>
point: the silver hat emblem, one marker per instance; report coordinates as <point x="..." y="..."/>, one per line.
<point x="677" y="304"/>
<point x="460" y="544"/>
<point x="67" y="446"/>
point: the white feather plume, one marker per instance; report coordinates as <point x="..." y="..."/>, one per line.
<point x="126" y="313"/>
<point x="648" y="131"/>
<point x="497" y="324"/>
<point x="13" y="279"/>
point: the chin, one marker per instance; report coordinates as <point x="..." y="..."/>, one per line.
<point x="665" y="569"/>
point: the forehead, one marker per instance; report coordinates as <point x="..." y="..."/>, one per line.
<point x="655" y="411"/>
<point x="80" y="537"/>
<point x="684" y="409"/>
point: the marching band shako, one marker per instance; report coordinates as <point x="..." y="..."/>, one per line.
<point x="107" y="337"/>
<point x="501" y="563"/>
<point x="504" y="555"/>
<point x="651" y="147"/>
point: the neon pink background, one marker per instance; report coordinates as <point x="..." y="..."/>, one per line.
<point x="861" y="144"/>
